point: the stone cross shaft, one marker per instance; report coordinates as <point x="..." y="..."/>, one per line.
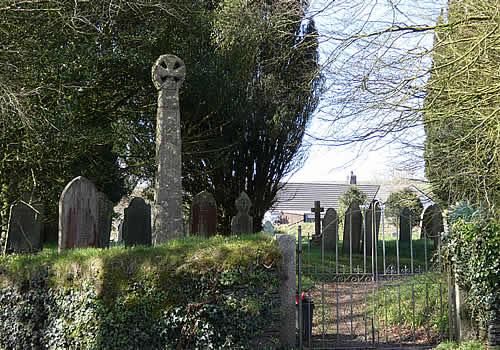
<point x="168" y="74"/>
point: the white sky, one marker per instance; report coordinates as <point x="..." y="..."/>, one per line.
<point x="327" y="163"/>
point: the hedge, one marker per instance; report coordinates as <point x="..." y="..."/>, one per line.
<point x="188" y="294"/>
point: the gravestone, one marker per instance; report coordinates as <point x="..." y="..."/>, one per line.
<point x="168" y="73"/>
<point x="405" y="225"/>
<point x="119" y="238"/>
<point x="204" y="215"/>
<point x="269" y="227"/>
<point x="137" y="223"/>
<point x="372" y="226"/>
<point x="432" y="223"/>
<point x="353" y="224"/>
<point x="242" y="222"/>
<point x="25" y="225"/>
<point x="78" y="215"/>
<point x="330" y="229"/>
<point x="105" y="219"/>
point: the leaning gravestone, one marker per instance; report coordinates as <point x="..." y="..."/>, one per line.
<point x="242" y="222"/>
<point x="353" y="223"/>
<point x="167" y="74"/>
<point x="105" y="207"/>
<point x="24" y="231"/>
<point x="432" y="223"/>
<point x="137" y="223"/>
<point x="330" y="229"/>
<point x="405" y="225"/>
<point x="372" y="226"/>
<point x="204" y="214"/>
<point x="78" y="215"/>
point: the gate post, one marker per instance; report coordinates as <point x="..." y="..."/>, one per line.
<point x="287" y="291"/>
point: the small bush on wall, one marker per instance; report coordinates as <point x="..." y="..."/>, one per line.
<point x="187" y="294"/>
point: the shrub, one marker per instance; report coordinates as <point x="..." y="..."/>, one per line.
<point x="405" y="198"/>
<point x="471" y="250"/>
<point x="192" y="293"/>
<point x="353" y="194"/>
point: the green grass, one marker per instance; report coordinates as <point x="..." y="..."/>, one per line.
<point x="414" y="302"/>
<point x="117" y="264"/>
<point x="468" y="345"/>
<point x="314" y="262"/>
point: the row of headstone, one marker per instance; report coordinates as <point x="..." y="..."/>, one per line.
<point x="85" y="217"/>
<point x="432" y="227"/>
<point x="353" y="234"/>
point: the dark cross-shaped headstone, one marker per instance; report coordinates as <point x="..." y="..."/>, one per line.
<point x="317" y="210"/>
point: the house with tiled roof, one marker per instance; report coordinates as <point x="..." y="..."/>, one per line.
<point x="294" y="200"/>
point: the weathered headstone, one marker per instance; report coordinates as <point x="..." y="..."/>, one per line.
<point x="352" y="229"/>
<point x="78" y="215"/>
<point x="105" y="219"/>
<point x="204" y="214"/>
<point x="330" y="229"/>
<point x="168" y="73"/>
<point x="405" y="225"/>
<point x="432" y="223"/>
<point x="372" y="226"/>
<point x="137" y="223"/>
<point x="269" y="227"/>
<point x="242" y="222"/>
<point x="25" y="224"/>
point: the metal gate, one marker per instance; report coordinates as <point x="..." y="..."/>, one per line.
<point x="385" y="293"/>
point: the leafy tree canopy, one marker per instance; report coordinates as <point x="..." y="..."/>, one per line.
<point x="77" y="97"/>
<point x="462" y="111"/>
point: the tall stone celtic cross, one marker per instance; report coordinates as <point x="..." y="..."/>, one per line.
<point x="168" y="74"/>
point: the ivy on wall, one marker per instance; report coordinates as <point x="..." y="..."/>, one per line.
<point x="472" y="250"/>
<point x="188" y="294"/>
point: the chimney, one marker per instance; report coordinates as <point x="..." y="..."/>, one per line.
<point x="352" y="179"/>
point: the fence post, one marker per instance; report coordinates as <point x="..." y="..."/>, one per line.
<point x="287" y="291"/>
<point x="453" y="318"/>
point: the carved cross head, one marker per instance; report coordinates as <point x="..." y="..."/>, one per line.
<point x="168" y="72"/>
